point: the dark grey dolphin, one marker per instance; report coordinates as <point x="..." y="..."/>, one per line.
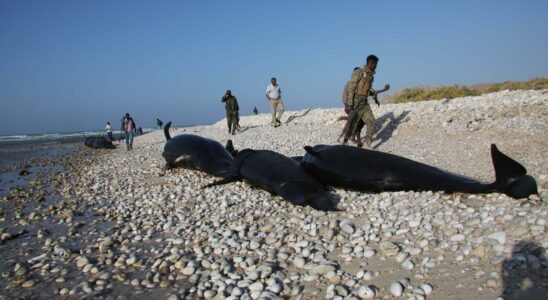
<point x="99" y="142"/>
<point x="279" y="175"/>
<point x="371" y="170"/>
<point x="197" y="153"/>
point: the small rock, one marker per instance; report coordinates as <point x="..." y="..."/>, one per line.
<point x="402" y="256"/>
<point x="408" y="265"/>
<point x="427" y="288"/>
<point x="28" y="283"/>
<point x="322" y="269"/>
<point x="492" y="283"/>
<point x="369" y="252"/>
<point x="257" y="286"/>
<point x="458" y="237"/>
<point x="396" y="289"/>
<point x="81" y="261"/>
<point x="347" y="227"/>
<point x="188" y="271"/>
<point x="414" y="223"/>
<point x="499" y="237"/>
<point x="105" y="244"/>
<point x="367" y="292"/>
<point x="389" y="248"/>
<point x="299" y="262"/>
<point x="473" y="202"/>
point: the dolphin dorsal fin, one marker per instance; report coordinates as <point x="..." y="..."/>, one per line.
<point x="506" y="169"/>
<point x="311" y="151"/>
<point x="166" y="131"/>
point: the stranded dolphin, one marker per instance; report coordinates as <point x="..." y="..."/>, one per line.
<point x="363" y="169"/>
<point x="280" y="175"/>
<point x="195" y="152"/>
<point x="98" y="142"/>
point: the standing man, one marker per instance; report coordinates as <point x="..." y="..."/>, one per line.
<point x="129" y="130"/>
<point x="274" y="96"/>
<point x="231" y="106"/>
<point x="348" y="104"/>
<point x="108" y="128"/>
<point x="159" y="123"/>
<point x="359" y="88"/>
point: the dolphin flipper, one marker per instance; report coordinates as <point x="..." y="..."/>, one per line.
<point x="296" y="191"/>
<point x="226" y="180"/>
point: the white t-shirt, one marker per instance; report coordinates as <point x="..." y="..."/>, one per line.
<point x="273" y="91"/>
<point x="108" y="128"/>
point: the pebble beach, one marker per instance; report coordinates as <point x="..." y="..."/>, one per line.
<point x="113" y="224"/>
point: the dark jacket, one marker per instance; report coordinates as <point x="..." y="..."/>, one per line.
<point x="231" y="103"/>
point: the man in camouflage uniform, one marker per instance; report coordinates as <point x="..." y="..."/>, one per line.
<point x="348" y="104"/>
<point x="231" y="106"/>
<point x="359" y="88"/>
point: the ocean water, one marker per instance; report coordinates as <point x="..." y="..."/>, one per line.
<point x="55" y="138"/>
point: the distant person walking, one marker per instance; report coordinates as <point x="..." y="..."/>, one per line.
<point x="108" y="128"/>
<point x="129" y="130"/>
<point x="274" y="96"/>
<point x="232" y="109"/>
<point x="359" y="88"/>
<point x="159" y="123"/>
<point x="255" y="111"/>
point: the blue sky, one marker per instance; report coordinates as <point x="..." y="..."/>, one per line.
<point x="73" y="65"/>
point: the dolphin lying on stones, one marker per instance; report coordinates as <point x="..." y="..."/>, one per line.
<point x="371" y="170"/>
<point x="279" y="175"/>
<point x="99" y="142"/>
<point x="196" y="153"/>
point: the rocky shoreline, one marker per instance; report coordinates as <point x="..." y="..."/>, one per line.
<point x="113" y="224"/>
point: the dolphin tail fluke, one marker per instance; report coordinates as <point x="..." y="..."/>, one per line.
<point x="166" y="131"/>
<point x="511" y="176"/>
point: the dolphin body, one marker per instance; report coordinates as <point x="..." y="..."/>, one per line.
<point x="98" y="142"/>
<point x="196" y="153"/>
<point x="370" y="170"/>
<point x="279" y="175"/>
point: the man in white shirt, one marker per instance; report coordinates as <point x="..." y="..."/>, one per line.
<point x="108" y="128"/>
<point x="274" y="96"/>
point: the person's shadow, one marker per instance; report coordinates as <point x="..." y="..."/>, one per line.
<point x="246" y="128"/>
<point x="388" y="129"/>
<point x="525" y="274"/>
<point x="293" y="117"/>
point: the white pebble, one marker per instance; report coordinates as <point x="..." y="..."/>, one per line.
<point x="427" y="288"/>
<point x="396" y="289"/>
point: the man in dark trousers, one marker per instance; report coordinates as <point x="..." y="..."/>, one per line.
<point x="129" y="128"/>
<point x="231" y="106"/>
<point x="359" y="88"/>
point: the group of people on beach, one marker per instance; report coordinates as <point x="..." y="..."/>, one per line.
<point x="128" y="128"/>
<point x="355" y="95"/>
